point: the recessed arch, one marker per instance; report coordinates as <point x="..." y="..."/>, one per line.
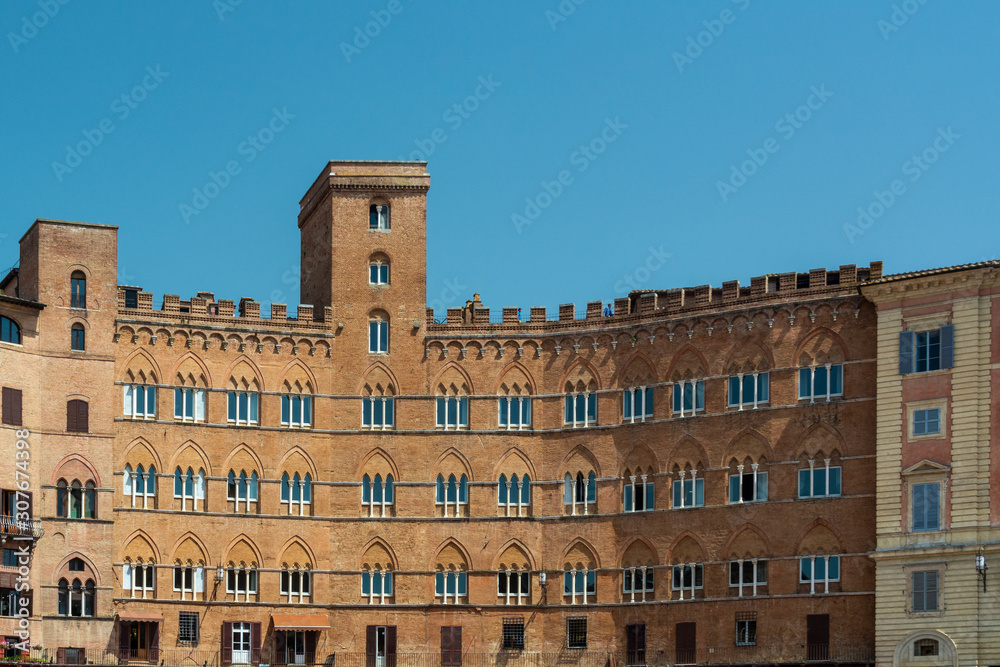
<point x="379" y="543"/>
<point x="747" y="529"/>
<point x="238" y="364"/>
<point x="637" y="365"/>
<point x="748" y="442"/>
<point x="688" y="363"/>
<point x="513" y="454"/>
<point x="57" y="573"/>
<point x="453" y="367"/>
<point x="513" y="372"/>
<point x="520" y="546"/>
<point x="576" y="371"/>
<point x="580" y="546"/>
<point x="242" y="447"/>
<point x="298" y="364"/>
<point x="375" y="373"/>
<point x="640" y="455"/>
<point x="679" y="551"/>
<point x="826" y="527"/>
<point x="463" y="463"/>
<point x="130" y="363"/>
<point x="373" y="454"/>
<point x="140" y="446"/>
<point x="310" y="465"/>
<point x="141" y="536"/>
<point x="583" y="452"/>
<point x="65" y="464"/>
<point x="947" y="653"/>
<point x="244" y="539"/>
<point x="299" y="542"/>
<point x="196" y="360"/>
<point x="451" y="543"/>
<point x="638" y="539"/>
<point x="830" y="356"/>
<point x="197" y="541"/>
<point x="687" y="451"/>
<point x="820" y="437"/>
<point x="199" y="453"/>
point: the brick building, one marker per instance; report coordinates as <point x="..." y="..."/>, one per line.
<point x="689" y="479"/>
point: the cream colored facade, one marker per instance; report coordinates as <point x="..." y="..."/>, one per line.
<point x="956" y="622"/>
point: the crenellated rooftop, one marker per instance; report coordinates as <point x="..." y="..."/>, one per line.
<point x="769" y="289"/>
<point x="204" y="310"/>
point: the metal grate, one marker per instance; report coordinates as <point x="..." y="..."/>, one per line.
<point x="513" y="633"/>
<point x="576" y="632"/>
<point x="187" y="630"/>
<point x="746" y="628"/>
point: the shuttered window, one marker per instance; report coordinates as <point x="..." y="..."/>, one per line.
<point x="77" y="416"/>
<point x="926" y="506"/>
<point x="925" y="590"/>
<point x="11" y="403"/>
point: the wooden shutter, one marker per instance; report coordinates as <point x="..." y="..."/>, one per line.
<point x="255" y="642"/>
<point x="7" y="403"/>
<point x="311" y="638"/>
<point x="686" y="642"/>
<point x="931" y="590"/>
<point x="947" y="346"/>
<point x="390" y="646"/>
<point x="83" y="416"/>
<point x="451" y="645"/>
<point x="154" y="642"/>
<point x="16" y="407"/>
<point x="71" y="416"/>
<point x="370" y="645"/>
<point x="124" y="630"/>
<point x="227" y="642"/>
<point x="61" y="656"/>
<point x="906" y="343"/>
<point x="817" y="637"/>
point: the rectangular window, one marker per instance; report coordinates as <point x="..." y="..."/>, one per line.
<point x="78" y="293"/>
<point x="686" y="579"/>
<point x="514" y="412"/>
<point x="637" y="404"/>
<point x="689" y="493"/>
<point x="747" y="574"/>
<point x="638" y="493"/>
<point x="924" y="351"/>
<point x="746" y="628"/>
<point x="140" y="401"/>
<point x="819" y="571"/>
<point x="819" y="482"/>
<point x="243" y="408"/>
<point x="927" y="422"/>
<point x="513" y="587"/>
<point x="688" y="397"/>
<point x="576" y="632"/>
<point x="452" y="412"/>
<point x="579" y="583"/>
<point x="11" y="400"/>
<point x="376" y="585"/>
<point x="926" y="506"/>
<point x="377" y="412"/>
<point x="189" y="404"/>
<point x="378" y="337"/>
<point x="821" y="383"/>
<point x="296" y="410"/>
<point x="925" y="591"/>
<point x="748" y="390"/>
<point x="450" y="586"/>
<point x="581" y="409"/>
<point x="513" y="633"/>
<point x="747" y="487"/>
<point x="187" y="627"/>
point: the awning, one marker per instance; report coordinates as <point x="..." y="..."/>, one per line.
<point x="140" y="616"/>
<point x="300" y="622"/>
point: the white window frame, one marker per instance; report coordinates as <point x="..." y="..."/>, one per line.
<point x="378" y="265"/>
<point x="813" y="581"/>
<point x="382" y="218"/>
<point x="755" y="401"/>
<point x="130" y="577"/>
<point x="250" y="578"/>
<point x="573" y="585"/>
<point x="252" y="494"/>
<point x="573" y="483"/>
<point x="683" y="387"/>
<point x="684" y="482"/>
<point x="248" y="399"/>
<point x="305" y="481"/>
<point x="756" y="580"/>
<point x="629" y="588"/>
<point x="382" y="507"/>
<point x="197" y="581"/>
<point x="130" y="485"/>
<point x="812" y="470"/>
<point x="634" y="399"/>
<point x="375" y="343"/>
<point x="678" y="572"/>
<point x="193" y="398"/>
<point x="574" y="397"/>
<point x="510" y="487"/>
<point x="197" y="487"/>
<point x="304" y="417"/>
<point x="287" y="587"/>
<point x="386" y="425"/>
<point x="638" y="483"/>
<point x="459" y="502"/>
<point x="514" y="578"/>
<point x="131" y="407"/>
<point x="382" y="597"/>
<point x="514" y="412"/>
<point x="443" y="421"/>
<point x="458" y="597"/>
<point x="758" y="481"/>
<point x="812" y="395"/>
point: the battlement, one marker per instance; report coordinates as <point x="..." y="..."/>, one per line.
<point x="772" y="288"/>
<point x="204" y="309"/>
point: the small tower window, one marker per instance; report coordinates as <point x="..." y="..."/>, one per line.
<point x="378" y="217"/>
<point x="378" y="273"/>
<point x="78" y="290"/>
<point x="79" y="338"/>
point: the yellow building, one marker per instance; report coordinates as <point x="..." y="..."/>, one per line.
<point x="938" y="500"/>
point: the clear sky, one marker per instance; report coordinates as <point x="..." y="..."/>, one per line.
<point x="595" y="146"/>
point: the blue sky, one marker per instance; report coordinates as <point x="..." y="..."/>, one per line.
<point x="694" y="142"/>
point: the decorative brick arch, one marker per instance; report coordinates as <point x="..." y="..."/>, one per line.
<point x="451" y="542"/>
<point x="59" y="573"/>
<point x="147" y="358"/>
<point x="296" y="540"/>
<point x="378" y="541"/>
<point x="197" y="541"/>
<point x="58" y="473"/>
<point x="638" y="539"/>
<point x="685" y="535"/>
<point x="142" y="536"/>
<point x="732" y="449"/>
<point x="189" y="356"/>
<point x="748" y="349"/>
<point x="451" y="367"/>
<point x="687" y="442"/>
<point x="686" y="349"/>
<point x="819" y="522"/>
<point x="639" y="456"/>
<point x="753" y="529"/>
<point x="515" y="544"/>
<point x="304" y="454"/>
<point x="513" y="453"/>
<point x="198" y="450"/>
<point x="585" y="453"/>
<point x="638" y="359"/>
<point x="819" y="332"/>
<point x="128" y="457"/>
<point x="243" y="537"/>
<point x="377" y="452"/>
<point x="462" y="459"/>
<point x="244" y="359"/>
<point x="578" y="544"/>
<point x="573" y="368"/>
<point x="372" y="372"/>
<point x="300" y="365"/>
<point x="511" y="368"/>
<point x="242" y="447"/>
